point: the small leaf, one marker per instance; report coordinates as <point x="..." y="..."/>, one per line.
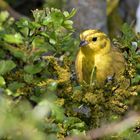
<point x="47" y="20"/>
<point x="3" y="16"/>
<point x="44" y="34"/>
<point x="68" y="22"/>
<point x="15" y="85"/>
<point x="72" y="13"/>
<point x="16" y="38"/>
<point x="22" y="23"/>
<point x="47" y="108"/>
<point x="33" y="69"/>
<point x="57" y="18"/>
<point x="38" y="15"/>
<point x="76" y="132"/>
<point x="8" y="92"/>
<point x="6" y="66"/>
<point x="42" y="110"/>
<point x="57" y="112"/>
<point x="17" y="52"/>
<point x="68" y="122"/>
<point x="136" y="79"/>
<point x="66" y="13"/>
<point x="33" y="25"/>
<point x="2" y="81"/>
<point x="52" y="86"/>
<point x="28" y="78"/>
<point x="52" y="41"/>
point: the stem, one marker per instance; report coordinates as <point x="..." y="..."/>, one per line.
<point x="93" y="76"/>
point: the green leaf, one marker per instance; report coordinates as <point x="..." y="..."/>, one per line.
<point x="70" y="121"/>
<point x="2" y="81"/>
<point x="47" y="107"/>
<point x="52" y="86"/>
<point x="13" y="38"/>
<point x="47" y="20"/>
<point x="66" y="13"/>
<point x="3" y="16"/>
<point x="76" y="132"/>
<point x="33" y="69"/>
<point x="15" y="85"/>
<point x="55" y="17"/>
<point x="74" y="125"/>
<point x="38" y="15"/>
<point x="17" y="52"/>
<point x="8" y="92"/>
<point x="22" y="23"/>
<point x="28" y="78"/>
<point x="136" y="79"/>
<point x="52" y="41"/>
<point x="68" y="24"/>
<point x="57" y="112"/>
<point x="71" y="14"/>
<point x="34" y="25"/>
<point x="6" y="66"/>
<point x="44" y="34"/>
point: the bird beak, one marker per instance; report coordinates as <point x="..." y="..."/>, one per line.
<point x="83" y="43"/>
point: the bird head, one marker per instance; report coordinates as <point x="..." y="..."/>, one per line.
<point x="94" y="41"/>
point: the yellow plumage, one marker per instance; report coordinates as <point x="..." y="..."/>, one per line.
<point x="96" y="52"/>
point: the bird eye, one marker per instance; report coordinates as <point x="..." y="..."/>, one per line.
<point x="94" y="39"/>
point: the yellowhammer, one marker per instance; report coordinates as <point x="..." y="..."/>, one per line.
<point x="98" y="58"/>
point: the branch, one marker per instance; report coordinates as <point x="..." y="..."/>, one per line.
<point x="109" y="129"/>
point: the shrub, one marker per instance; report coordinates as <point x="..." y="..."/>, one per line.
<point x="39" y="99"/>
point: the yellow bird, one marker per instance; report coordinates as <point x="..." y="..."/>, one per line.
<point x="97" y="58"/>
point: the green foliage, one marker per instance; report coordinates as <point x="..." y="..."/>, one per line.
<point x="37" y="93"/>
<point x="130" y="44"/>
<point x="6" y="66"/>
<point x="29" y="71"/>
<point x="18" y="122"/>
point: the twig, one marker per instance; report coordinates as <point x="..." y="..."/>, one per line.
<point x="109" y="129"/>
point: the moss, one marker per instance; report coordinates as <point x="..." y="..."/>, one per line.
<point x="62" y="73"/>
<point x="42" y="75"/>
